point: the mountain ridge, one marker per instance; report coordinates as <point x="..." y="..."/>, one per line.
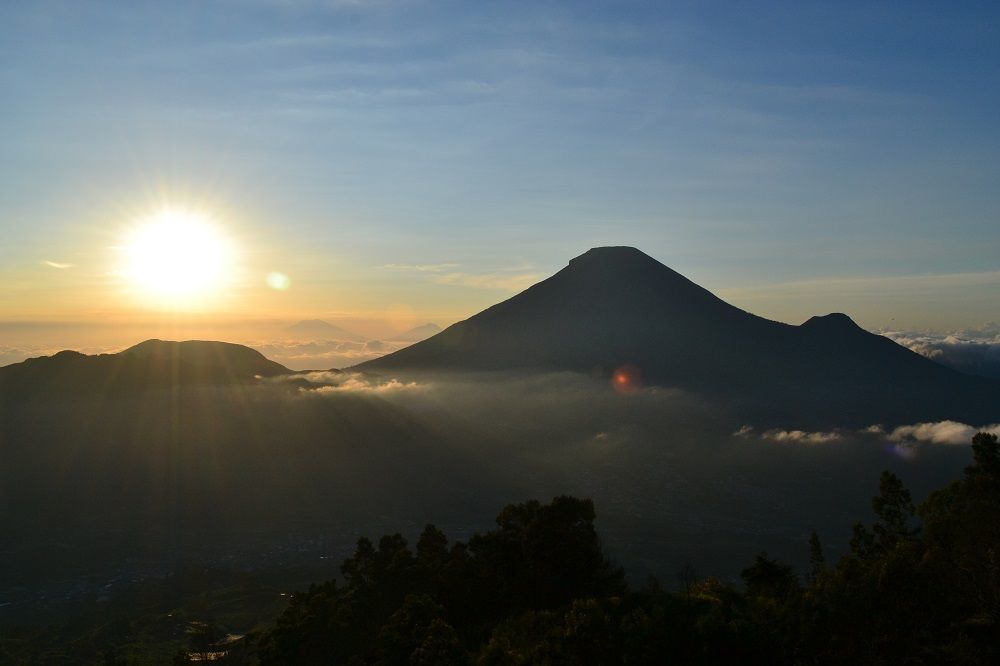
<point x="617" y="306"/>
<point x="317" y="329"/>
<point x="608" y="309"/>
<point x="149" y="364"/>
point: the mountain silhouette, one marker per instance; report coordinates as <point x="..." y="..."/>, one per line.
<point x="417" y="333"/>
<point x="317" y="329"/>
<point x="149" y="364"/>
<point x="618" y="308"/>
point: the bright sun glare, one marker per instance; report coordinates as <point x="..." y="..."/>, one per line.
<point x="178" y="258"/>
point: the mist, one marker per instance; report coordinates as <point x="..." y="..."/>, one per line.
<point x="673" y="475"/>
<point x="677" y="477"/>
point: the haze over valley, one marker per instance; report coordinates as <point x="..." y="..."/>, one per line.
<point x="410" y="332"/>
<point x="616" y="379"/>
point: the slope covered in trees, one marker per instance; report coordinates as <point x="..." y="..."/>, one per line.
<point x="920" y="586"/>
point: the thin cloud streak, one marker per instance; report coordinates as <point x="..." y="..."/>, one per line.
<point x="350" y="382"/>
<point x="791" y="436"/>
<point x="511" y="280"/>
<point x="951" y="433"/>
<point x="499" y="281"/>
<point x="419" y="268"/>
<point x="864" y="285"/>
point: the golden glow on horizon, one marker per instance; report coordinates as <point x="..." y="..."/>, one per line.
<point x="178" y="259"/>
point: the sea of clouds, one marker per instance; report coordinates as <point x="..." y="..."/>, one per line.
<point x="972" y="350"/>
<point x="324" y="354"/>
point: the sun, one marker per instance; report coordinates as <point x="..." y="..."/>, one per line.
<point x="177" y="258"/>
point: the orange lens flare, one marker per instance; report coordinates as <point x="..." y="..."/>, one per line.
<point x="626" y="379"/>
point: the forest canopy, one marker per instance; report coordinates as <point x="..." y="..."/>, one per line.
<point x="920" y="585"/>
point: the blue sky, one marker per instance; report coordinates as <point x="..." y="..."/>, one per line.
<point x="794" y="157"/>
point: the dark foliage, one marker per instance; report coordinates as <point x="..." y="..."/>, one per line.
<point x="539" y="590"/>
<point x="397" y="606"/>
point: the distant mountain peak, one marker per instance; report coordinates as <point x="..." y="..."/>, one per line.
<point x="833" y="322"/>
<point x="150" y="346"/>
<point x="417" y="333"/>
<point x="317" y="329"/>
<point x="192" y="348"/>
<point x="149" y="364"/>
<point x="611" y="254"/>
<point x="630" y="268"/>
<point x="614" y="307"/>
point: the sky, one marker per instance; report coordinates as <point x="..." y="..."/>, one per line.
<point x="403" y="162"/>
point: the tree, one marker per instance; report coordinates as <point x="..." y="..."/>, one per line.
<point x="769" y="578"/>
<point x="538" y="589"/>
<point x="432" y="547"/>
<point x="202" y="639"/>
<point x="986" y="453"/>
<point x="417" y="634"/>
<point x="963" y="545"/>
<point x="893" y="506"/>
<point x="817" y="563"/>
<point x="440" y="647"/>
<point x="543" y="556"/>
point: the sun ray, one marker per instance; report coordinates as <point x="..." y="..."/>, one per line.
<point x="177" y="259"/>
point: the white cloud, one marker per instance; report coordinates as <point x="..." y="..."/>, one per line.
<point x="511" y="279"/>
<point x="801" y="436"/>
<point x="57" y="264"/>
<point x="865" y="286"/>
<point x="420" y="268"/>
<point x="318" y="377"/>
<point x="500" y="281"/>
<point x="324" y="353"/>
<point x="941" y="432"/>
<point x="358" y="383"/>
<point x="974" y="351"/>
<point x="332" y="381"/>
<point x="786" y="436"/>
<point x="903" y="437"/>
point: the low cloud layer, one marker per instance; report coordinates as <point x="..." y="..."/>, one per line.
<point x="542" y="412"/>
<point x="341" y="382"/>
<point x="318" y="354"/>
<point x="801" y="436"/>
<point x="974" y="351"/>
<point x="403" y="449"/>
<point x="941" y="432"/>
<point x="938" y="432"/>
<point x="791" y="436"/>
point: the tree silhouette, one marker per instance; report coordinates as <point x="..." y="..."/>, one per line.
<point x="893" y="506"/>
<point x="538" y="589"/>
